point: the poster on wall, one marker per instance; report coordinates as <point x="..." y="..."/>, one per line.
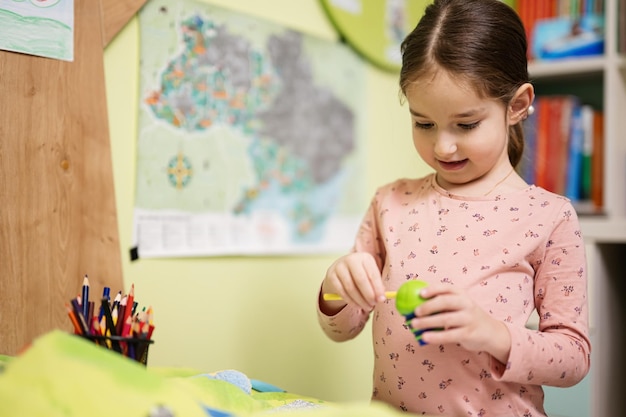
<point x="250" y="136"/>
<point x="38" y="27"/>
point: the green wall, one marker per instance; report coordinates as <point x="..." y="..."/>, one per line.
<point x="253" y="314"/>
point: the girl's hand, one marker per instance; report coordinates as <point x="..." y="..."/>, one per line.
<point x="357" y="279"/>
<point x="462" y="321"/>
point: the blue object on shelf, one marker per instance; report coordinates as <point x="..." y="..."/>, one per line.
<point x="566" y="37"/>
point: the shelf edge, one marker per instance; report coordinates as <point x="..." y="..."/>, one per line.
<point x="567" y="66"/>
<point x="603" y="230"/>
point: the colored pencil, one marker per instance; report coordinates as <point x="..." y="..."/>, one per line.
<point x="78" y="312"/>
<point x="129" y="302"/>
<point x="109" y="325"/>
<point x="85" y="297"/>
<point x="91" y="308"/>
<point x="73" y="319"/>
<point x="106" y="293"/>
<point x="337" y="297"/>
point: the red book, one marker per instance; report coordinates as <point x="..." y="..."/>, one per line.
<point x="597" y="161"/>
<point x="553" y="146"/>
<point x="543" y="9"/>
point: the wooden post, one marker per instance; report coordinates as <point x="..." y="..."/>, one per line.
<point x="58" y="217"/>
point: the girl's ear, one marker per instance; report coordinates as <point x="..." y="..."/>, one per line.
<point x="519" y="105"/>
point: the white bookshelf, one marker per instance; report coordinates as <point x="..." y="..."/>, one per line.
<point x="604" y="233"/>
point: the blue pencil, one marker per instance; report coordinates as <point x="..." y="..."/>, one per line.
<point x="106" y="293"/>
<point x="85" y="297"/>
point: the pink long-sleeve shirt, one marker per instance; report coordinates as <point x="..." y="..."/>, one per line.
<point x="512" y="254"/>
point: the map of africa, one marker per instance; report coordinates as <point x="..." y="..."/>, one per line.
<point x="249" y="136"/>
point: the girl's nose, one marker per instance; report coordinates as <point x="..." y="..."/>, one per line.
<point x="445" y="145"/>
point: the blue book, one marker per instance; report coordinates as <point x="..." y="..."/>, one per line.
<point x="573" y="177"/>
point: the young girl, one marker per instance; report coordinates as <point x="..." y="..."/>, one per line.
<point x="491" y="247"/>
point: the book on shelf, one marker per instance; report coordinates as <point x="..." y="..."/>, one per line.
<point x="541" y="144"/>
<point x="587" y="125"/>
<point x="597" y="161"/>
<point x="560" y="142"/>
<point x="559" y="29"/>
<point x="563" y="150"/>
<point x="574" y="184"/>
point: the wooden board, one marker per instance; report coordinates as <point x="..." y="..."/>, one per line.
<point x="116" y="14"/>
<point x="58" y="217"/>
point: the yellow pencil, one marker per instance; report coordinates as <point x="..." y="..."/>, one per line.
<point x="337" y="297"/>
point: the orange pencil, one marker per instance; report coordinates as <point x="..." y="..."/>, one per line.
<point x="70" y="313"/>
<point x="150" y="322"/>
<point x="78" y="314"/>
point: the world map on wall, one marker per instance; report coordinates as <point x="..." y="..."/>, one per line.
<point x="249" y="136"/>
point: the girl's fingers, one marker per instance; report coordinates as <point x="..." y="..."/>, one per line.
<point x="441" y="299"/>
<point x="352" y="283"/>
<point x="356" y="278"/>
<point x="444" y="321"/>
<point x="376" y="282"/>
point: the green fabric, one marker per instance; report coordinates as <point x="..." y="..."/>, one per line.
<point x="64" y="375"/>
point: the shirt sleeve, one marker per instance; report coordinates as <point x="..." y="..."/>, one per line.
<point x="350" y="321"/>
<point x="558" y="353"/>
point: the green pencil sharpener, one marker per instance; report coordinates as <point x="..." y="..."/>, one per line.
<point x="408" y="298"/>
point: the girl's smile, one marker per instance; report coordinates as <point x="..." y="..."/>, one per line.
<point x="453" y="165"/>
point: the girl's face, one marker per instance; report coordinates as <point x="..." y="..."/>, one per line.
<point x="462" y="136"/>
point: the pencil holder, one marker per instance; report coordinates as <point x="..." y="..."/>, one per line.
<point x="135" y="348"/>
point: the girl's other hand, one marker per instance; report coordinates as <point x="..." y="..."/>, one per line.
<point x="357" y="279"/>
<point x="462" y="321"/>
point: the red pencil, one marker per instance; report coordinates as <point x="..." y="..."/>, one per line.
<point x="127" y="327"/>
<point x="129" y="302"/>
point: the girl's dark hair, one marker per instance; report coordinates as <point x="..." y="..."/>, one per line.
<point x="481" y="41"/>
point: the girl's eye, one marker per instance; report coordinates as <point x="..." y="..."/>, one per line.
<point x="424" y="126"/>
<point x="469" y="126"/>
